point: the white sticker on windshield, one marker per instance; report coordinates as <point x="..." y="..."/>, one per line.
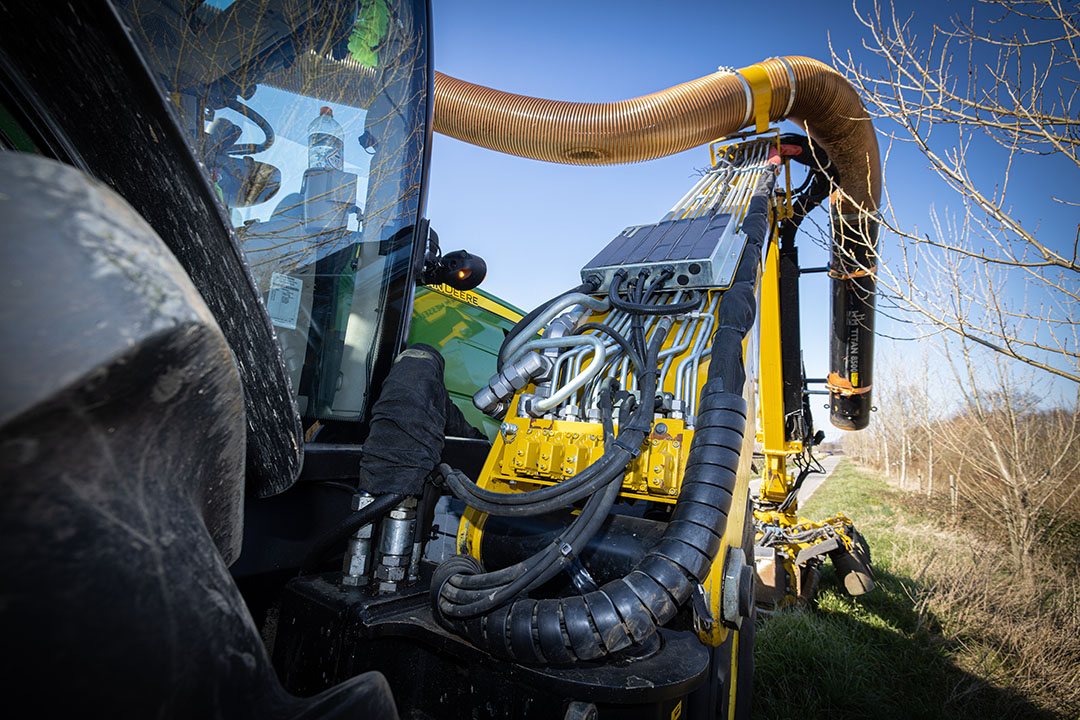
<point x="284" y="300"/>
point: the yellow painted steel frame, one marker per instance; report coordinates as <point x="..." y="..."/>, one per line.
<point x="777" y="481"/>
<point x="538" y="452"/>
<point x="542" y="452"/>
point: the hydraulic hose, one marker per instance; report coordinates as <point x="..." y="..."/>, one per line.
<point x="645" y="309"/>
<point x="511" y="345"/>
<point x="458" y="601"/>
<point x="597" y="361"/>
<point x="800" y="89"/>
<point x="264" y="125"/>
<point x="492" y="579"/>
<point x="525" y="322"/>
<point x="586" y="482"/>
<point x="466" y="594"/>
<point x="553" y="497"/>
<point x="337" y="535"/>
<point x="619" y="339"/>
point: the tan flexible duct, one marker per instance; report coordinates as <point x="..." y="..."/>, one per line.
<point x="669" y="121"/>
<point x="800" y="89"/>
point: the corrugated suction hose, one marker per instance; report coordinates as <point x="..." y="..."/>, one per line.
<point x="800" y="89"/>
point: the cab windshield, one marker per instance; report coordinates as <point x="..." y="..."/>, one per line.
<point x="309" y="119"/>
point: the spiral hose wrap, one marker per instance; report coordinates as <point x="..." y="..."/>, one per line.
<point x="629" y="610"/>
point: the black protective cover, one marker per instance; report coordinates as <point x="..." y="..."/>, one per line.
<point x="409" y="423"/>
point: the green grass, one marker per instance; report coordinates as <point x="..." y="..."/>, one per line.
<point x="888" y="654"/>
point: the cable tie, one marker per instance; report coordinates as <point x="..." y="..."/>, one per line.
<point x="565" y="548"/>
<point x="639" y="428"/>
<point x="634" y="452"/>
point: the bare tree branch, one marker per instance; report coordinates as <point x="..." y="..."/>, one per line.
<point x="1004" y="76"/>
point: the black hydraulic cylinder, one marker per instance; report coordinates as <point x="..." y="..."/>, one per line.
<point x="851" y="347"/>
<point x="791" y="342"/>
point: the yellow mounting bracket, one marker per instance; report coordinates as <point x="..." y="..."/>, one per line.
<point x="761" y="92"/>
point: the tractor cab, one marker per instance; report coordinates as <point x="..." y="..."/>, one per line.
<point x="310" y="122"/>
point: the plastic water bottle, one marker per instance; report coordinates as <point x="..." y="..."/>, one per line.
<point x="326" y="141"/>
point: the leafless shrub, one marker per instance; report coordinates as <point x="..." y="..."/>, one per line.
<point x="1004" y="631"/>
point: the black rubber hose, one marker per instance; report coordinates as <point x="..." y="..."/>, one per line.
<point x="508" y="574"/>
<point x="607" y="411"/>
<point x="586" y="287"/>
<point x="820" y="185"/>
<point x="458" y="601"/>
<point x="581" y="533"/>
<point x="558" y="496"/>
<point x="542" y="566"/>
<point x="629" y="349"/>
<point x="264" y="125"/>
<point x="630" y="609"/>
<point x="572" y="537"/>
<point x="642" y="309"/>
<point x="666" y="273"/>
<point x="341" y="532"/>
<point x="635" y="293"/>
<point x="555" y="497"/>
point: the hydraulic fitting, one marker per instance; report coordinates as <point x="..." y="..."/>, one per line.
<point x="396" y="546"/>
<point x="357" y="562"/>
<point x="490" y="400"/>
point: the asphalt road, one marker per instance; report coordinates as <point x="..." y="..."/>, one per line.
<point x="812" y="482"/>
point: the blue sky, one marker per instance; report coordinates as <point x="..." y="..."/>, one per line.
<point x="537" y="223"/>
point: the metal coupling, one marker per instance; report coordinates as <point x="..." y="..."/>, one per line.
<point x="396" y="541"/>
<point x="561" y="327"/>
<point x="513" y="377"/>
<point x="357" y="564"/>
<point x="571" y="412"/>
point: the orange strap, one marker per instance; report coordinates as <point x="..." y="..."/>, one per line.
<point x="861" y="272"/>
<point x="843" y="386"/>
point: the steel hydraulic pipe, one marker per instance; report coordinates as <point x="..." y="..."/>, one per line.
<point x="599" y="353"/>
<point x="556" y="308"/>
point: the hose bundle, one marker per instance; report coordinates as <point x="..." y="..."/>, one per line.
<point x="493" y="610"/>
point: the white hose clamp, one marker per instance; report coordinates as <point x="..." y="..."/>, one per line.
<point x="791" y="81"/>
<point x="727" y="70"/>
